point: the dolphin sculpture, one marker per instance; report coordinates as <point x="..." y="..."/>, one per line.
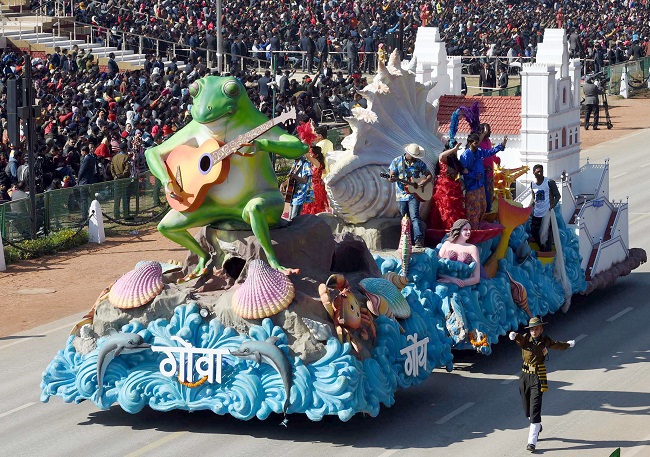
<point x="114" y="345"/>
<point x="266" y="351"/>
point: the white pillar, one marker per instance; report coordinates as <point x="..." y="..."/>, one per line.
<point x="624" y="88"/>
<point x="96" y="223"/>
<point x="3" y="264"/>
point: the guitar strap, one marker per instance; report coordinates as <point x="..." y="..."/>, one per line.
<point x="406" y="174"/>
<point x="294" y="168"/>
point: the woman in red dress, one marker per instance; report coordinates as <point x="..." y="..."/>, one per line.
<point x="448" y="201"/>
<point x="320" y="204"/>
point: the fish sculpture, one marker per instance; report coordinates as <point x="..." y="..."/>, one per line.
<point x="511" y="217"/>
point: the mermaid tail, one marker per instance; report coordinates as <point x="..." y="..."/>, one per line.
<point x="510" y="216"/>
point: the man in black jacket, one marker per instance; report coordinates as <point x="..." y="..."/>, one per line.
<point x="113" y="69"/>
<point x="370" y="49"/>
<point x="322" y="50"/>
<point x="235" y="55"/>
<point x="533" y="380"/>
<point x="503" y="81"/>
<point x="308" y="47"/>
<point x="275" y="47"/>
<point x="487" y="79"/>
<point x="263" y="85"/>
<point x="211" y="45"/>
<point x="352" y="53"/>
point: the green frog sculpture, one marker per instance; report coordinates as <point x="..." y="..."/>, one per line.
<point x="231" y="186"/>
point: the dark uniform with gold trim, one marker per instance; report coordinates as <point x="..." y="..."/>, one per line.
<point x="533" y="382"/>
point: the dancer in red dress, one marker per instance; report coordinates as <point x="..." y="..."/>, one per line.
<point x="448" y="200"/>
<point x="321" y="203"/>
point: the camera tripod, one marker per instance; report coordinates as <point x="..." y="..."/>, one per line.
<point x="607" y="116"/>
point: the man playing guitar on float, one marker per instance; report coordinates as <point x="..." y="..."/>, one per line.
<point x="297" y="188"/>
<point x="410" y="169"/>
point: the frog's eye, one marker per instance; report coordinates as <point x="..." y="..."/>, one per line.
<point x="232" y="89"/>
<point x="194" y="89"/>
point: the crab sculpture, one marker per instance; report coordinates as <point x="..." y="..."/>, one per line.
<point x="346" y="312"/>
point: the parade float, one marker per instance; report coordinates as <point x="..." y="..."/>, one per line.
<point x="268" y="317"/>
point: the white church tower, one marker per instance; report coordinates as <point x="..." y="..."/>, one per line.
<point x="550" y="108"/>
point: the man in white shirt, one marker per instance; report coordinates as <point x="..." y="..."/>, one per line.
<point x="545" y="197"/>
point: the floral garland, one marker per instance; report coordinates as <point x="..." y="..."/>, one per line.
<point x="191" y="385"/>
<point x="480" y="343"/>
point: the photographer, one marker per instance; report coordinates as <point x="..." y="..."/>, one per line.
<point x="592" y="93"/>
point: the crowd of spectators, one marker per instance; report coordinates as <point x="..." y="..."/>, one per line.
<point x="90" y="114"/>
<point x="87" y="116"/>
<point x="342" y="28"/>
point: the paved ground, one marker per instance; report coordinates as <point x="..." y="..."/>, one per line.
<point x="70" y="282"/>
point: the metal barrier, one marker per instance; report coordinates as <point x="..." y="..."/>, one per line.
<point x="471" y="65"/>
<point x="509" y="91"/>
<point x="66" y="208"/>
<point x="637" y="72"/>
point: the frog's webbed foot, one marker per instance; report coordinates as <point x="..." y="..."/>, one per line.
<point x="202" y="269"/>
<point x="285" y="270"/>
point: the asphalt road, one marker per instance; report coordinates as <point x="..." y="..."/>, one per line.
<point x="599" y="397"/>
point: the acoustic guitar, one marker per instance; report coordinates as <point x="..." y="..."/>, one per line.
<point x="289" y="191"/>
<point x="291" y="184"/>
<point x="193" y="171"/>
<point x="423" y="194"/>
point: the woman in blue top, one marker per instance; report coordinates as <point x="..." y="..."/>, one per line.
<point x="472" y="160"/>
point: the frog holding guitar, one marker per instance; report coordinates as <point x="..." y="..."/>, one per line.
<point x="245" y="192"/>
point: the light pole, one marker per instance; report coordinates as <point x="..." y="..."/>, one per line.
<point x="274" y="86"/>
<point x="219" y="38"/>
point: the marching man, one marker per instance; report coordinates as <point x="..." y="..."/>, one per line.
<point x="532" y="382"/>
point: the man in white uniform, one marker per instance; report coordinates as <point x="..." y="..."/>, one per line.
<point x="545" y="197"/>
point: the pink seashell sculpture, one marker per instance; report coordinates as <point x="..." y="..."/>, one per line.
<point x="264" y="293"/>
<point x="137" y="287"/>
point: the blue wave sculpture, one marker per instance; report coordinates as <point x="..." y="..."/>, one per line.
<point x="338" y="383"/>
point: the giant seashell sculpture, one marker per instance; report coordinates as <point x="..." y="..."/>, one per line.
<point x="397" y="114"/>
<point x="167" y="267"/>
<point x="137" y="287"/>
<point x="384" y="298"/>
<point x="265" y="292"/>
<point x="519" y="295"/>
